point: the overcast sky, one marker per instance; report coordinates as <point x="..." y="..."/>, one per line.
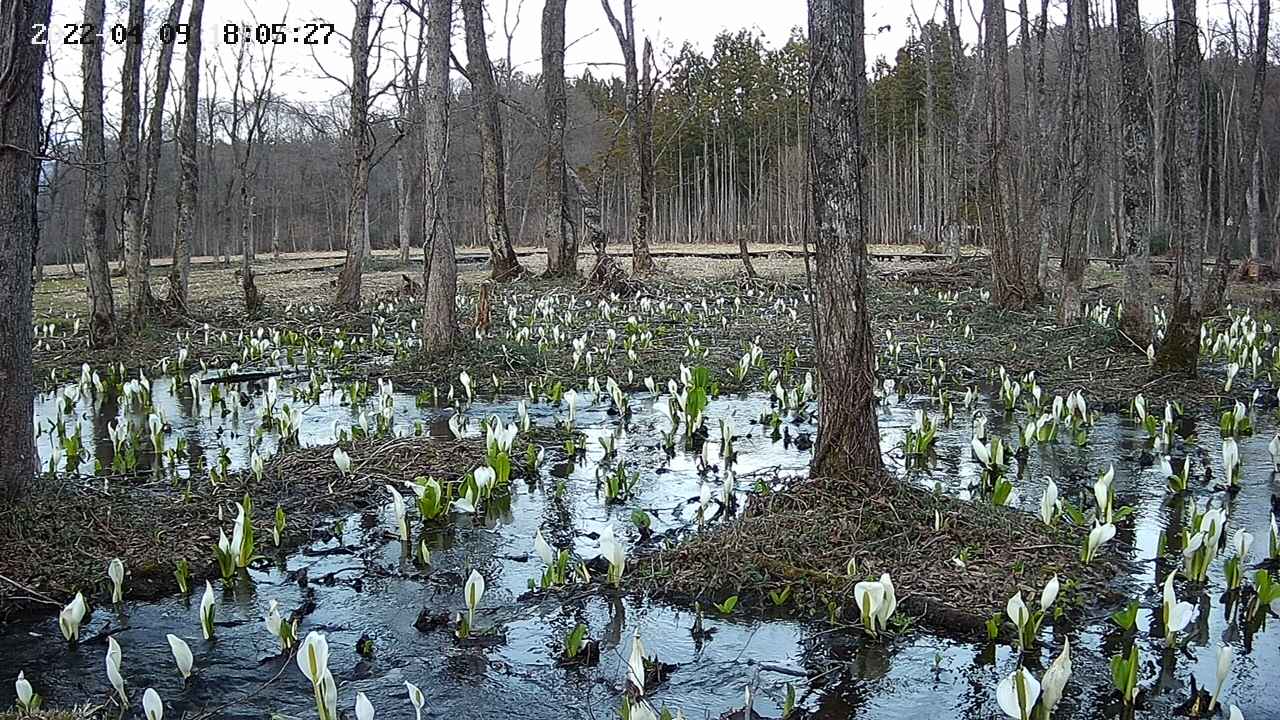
<point x="669" y="23"/>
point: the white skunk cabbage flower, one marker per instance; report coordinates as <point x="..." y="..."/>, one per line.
<point x="397" y="506"/>
<point x="1049" y="593"/>
<point x="1017" y="694"/>
<point x="543" y="549"/>
<point x="181" y="655"/>
<point x="114" y="657"/>
<point x="342" y="460"/>
<point x="152" y="705"/>
<point x="1100" y="535"/>
<point x="473" y="592"/>
<point x="207" y="610"/>
<point x="26" y="694"/>
<point x="635" y="664"/>
<point x="416" y="699"/>
<point x="364" y="708"/>
<point x="1225" y="654"/>
<point x="1049" y="503"/>
<point x="115" y="570"/>
<point x="70" y="618"/>
<point x="1055" y="679"/>
<point x="1175" y="615"/>
<point x="313" y="657"/>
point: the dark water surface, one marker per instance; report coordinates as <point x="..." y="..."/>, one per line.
<point x="367" y="587"/>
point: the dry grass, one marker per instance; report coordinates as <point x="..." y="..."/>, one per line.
<point x="60" y="540"/>
<point x="802" y="537"/>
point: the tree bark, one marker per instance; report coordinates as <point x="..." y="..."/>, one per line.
<point x="155" y="136"/>
<point x="1135" y="150"/>
<point x="1074" y="191"/>
<point x="493" y="168"/>
<point x="562" y="246"/>
<point x="1180" y="351"/>
<point x="440" y="272"/>
<point x="102" y="322"/>
<point x="1241" y="165"/>
<point x="639" y="131"/>
<point x="641" y="259"/>
<point x="21" y="77"/>
<point x="848" y="436"/>
<point x="358" y="137"/>
<point x="135" y="256"/>
<point x="184" y="236"/>
<point x="1009" y="290"/>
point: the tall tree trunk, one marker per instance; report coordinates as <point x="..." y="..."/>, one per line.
<point x="184" y="235"/>
<point x="848" y="436"/>
<point x="1006" y="253"/>
<point x="21" y="76"/>
<point x="248" y="284"/>
<point x="493" y="167"/>
<point x="1180" y="351"/>
<point x="135" y="256"/>
<point x="403" y="213"/>
<point x="358" y="138"/>
<point x="1135" y="153"/>
<point x="1074" y="191"/>
<point x="1240" y="165"/>
<point x="637" y="132"/>
<point x="102" y="322"/>
<point x="641" y="259"/>
<point x="562" y="246"/>
<point x="440" y="271"/>
<point x="155" y="135"/>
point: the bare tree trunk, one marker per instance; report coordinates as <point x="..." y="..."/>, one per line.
<point x="493" y="167"/>
<point x="1135" y="151"/>
<point x="402" y="205"/>
<point x="1180" y="350"/>
<point x="358" y="137"/>
<point x="440" y="271"/>
<point x="1256" y="217"/>
<point x="155" y="136"/>
<point x="21" y="76"/>
<point x="1006" y="253"/>
<point x="1074" y="191"/>
<point x="102" y="323"/>
<point x="848" y="436"/>
<point x="641" y="259"/>
<point x="1240" y="165"/>
<point x="135" y="260"/>
<point x="562" y="246"/>
<point x="639" y="129"/>
<point x="248" y="285"/>
<point x="184" y="236"/>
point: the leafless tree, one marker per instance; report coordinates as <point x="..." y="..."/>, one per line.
<point x="562" y="246"/>
<point x="1135" y="152"/>
<point x="848" y="436"/>
<point x="1074" y="158"/>
<point x="1180" y="350"/>
<point x="493" y="167"/>
<point x="640" y="131"/>
<point x="440" y="271"/>
<point x="155" y="135"/>
<point x="184" y="236"/>
<point x="21" y="77"/>
<point x="358" y="139"/>
<point x="102" y="323"/>
<point x="135" y="255"/>
<point x="1241" y="164"/>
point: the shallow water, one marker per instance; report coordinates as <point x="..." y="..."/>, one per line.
<point x="366" y="587"/>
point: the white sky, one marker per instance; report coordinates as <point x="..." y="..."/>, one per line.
<point x="669" y="23"/>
